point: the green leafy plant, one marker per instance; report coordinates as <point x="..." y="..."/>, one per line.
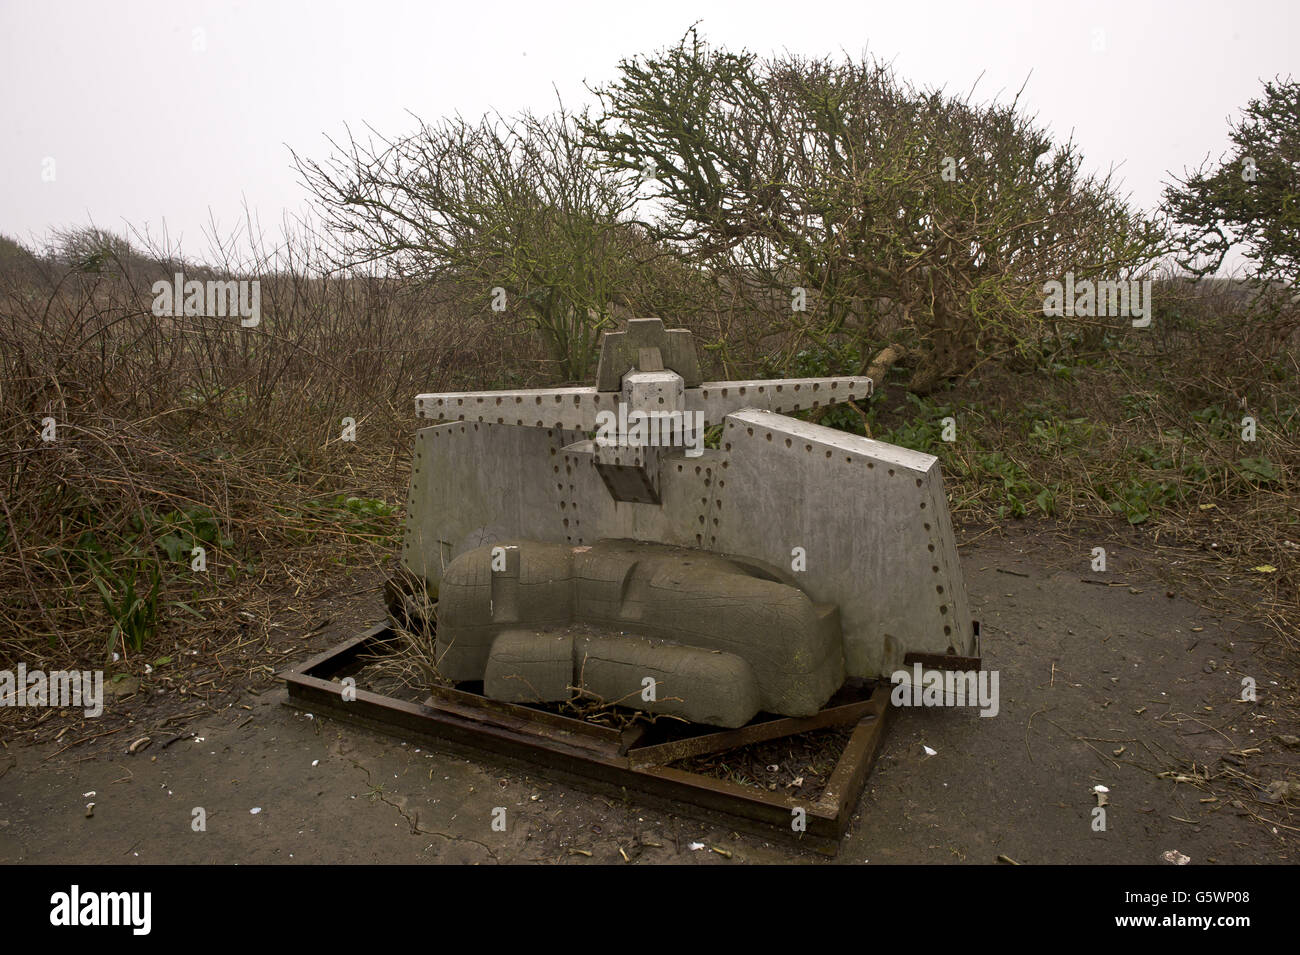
<point x="179" y="532"/>
<point x="1259" y="470"/>
<point x="134" y="612"/>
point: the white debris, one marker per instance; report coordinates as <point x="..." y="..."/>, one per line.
<point x="255" y="810"/>
<point x="1174" y="857"/>
<point x="929" y="751"/>
<point x="1100" y="789"/>
<point x="315" y="762"/>
<point x="696" y="846"/>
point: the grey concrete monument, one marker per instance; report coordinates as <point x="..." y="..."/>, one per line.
<point x="584" y="540"/>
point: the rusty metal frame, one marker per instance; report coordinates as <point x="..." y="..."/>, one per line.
<point x="950" y="661"/>
<point x="610" y="757"/>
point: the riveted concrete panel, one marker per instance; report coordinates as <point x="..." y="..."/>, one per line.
<point x="870" y="520"/>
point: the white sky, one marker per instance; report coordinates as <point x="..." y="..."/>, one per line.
<point x="173" y="113"/>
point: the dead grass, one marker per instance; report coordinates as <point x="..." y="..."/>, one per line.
<point x="171" y="434"/>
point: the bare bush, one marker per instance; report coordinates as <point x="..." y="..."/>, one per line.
<point x="130" y="438"/>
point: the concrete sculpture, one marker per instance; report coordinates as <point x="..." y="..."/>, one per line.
<point x="585" y="540"/>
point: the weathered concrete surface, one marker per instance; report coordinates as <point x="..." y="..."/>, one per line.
<point x="630" y="474"/>
<point x="531" y="587"/>
<point x="703" y="686"/>
<point x="717" y="399"/>
<point x="646" y="346"/>
<point x="530" y="666"/>
<point x="659" y="676"/>
<point x="654" y="391"/>
<point x="646" y="367"/>
<point x="755" y="641"/>
<point x="871" y="519"/>
<point x="474" y="484"/>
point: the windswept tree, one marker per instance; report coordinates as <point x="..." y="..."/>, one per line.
<point x="891" y="206"/>
<point x="515" y="214"/>
<point x="91" y="249"/>
<point x="1250" y="199"/>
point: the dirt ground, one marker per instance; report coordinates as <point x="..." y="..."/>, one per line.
<point x="1116" y="679"/>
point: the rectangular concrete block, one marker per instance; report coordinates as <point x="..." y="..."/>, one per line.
<point x="660" y="677"/>
<point x="530" y="666"/>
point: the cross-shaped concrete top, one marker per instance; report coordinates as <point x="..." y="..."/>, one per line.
<point x="646" y="342"/>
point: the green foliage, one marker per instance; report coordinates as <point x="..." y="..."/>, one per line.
<point x="923" y="431"/>
<point x="92" y="250"/>
<point x="134" y="612"/>
<point x="1252" y="198"/>
<point x="368" y="506"/>
<point x="1045" y="500"/>
<point x="1137" y="499"/>
<point x="132" y="568"/>
<point x="882" y="200"/>
<point x="179" y="532"/>
<point x="1046" y="436"/>
<point x="821" y="361"/>
<point x="363" y="518"/>
<point x="1259" y="470"/>
<point x="1017" y="488"/>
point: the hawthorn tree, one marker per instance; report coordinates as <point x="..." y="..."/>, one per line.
<point x="901" y="212"/>
<point x="1251" y="198"/>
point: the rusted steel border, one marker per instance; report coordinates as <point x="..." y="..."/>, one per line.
<point x="950" y="661"/>
<point x="660" y="754"/>
<point x="943" y="661"/>
<point x="602" y="754"/>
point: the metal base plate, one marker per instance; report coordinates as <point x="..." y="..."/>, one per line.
<point x="624" y="759"/>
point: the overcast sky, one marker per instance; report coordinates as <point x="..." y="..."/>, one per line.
<point x="174" y="113"/>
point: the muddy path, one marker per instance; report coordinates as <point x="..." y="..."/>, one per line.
<point x="1114" y="680"/>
